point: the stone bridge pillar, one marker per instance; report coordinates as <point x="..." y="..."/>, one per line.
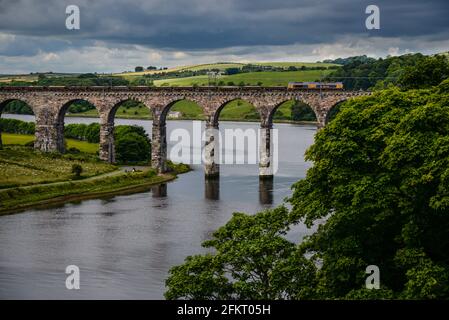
<point x="107" y="148"/>
<point x="159" y="144"/>
<point x="46" y="137"/>
<point x="265" y="152"/>
<point x="211" y="151"/>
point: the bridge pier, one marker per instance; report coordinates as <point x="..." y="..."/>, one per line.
<point x="46" y="137"/>
<point x="159" y="147"/>
<point x="211" y="151"/>
<point x="107" y="148"/>
<point x="265" y="152"/>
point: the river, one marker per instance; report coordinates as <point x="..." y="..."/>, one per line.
<point x="125" y="245"/>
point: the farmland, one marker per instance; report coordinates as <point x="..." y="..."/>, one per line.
<point x="267" y="78"/>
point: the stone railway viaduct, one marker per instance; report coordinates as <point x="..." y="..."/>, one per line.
<point x="50" y="104"/>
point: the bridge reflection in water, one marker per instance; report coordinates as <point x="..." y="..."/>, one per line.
<point x="212" y="190"/>
<point x="266" y="190"/>
<point x="159" y="191"/>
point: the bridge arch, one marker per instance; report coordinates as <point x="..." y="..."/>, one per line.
<point x="60" y="120"/>
<point x="250" y="104"/>
<point x="271" y="115"/>
<point x="190" y="103"/>
<point x="127" y="103"/>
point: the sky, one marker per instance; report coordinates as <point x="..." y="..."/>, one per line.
<point x="117" y="35"/>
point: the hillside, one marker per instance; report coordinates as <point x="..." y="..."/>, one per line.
<point x="223" y="66"/>
<point x="268" y="78"/>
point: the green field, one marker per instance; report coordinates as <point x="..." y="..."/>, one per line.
<point x="21" y="139"/>
<point x="223" y="66"/>
<point x="20" y="166"/>
<point x="268" y="78"/>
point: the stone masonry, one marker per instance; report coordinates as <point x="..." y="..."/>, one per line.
<point x="50" y="105"/>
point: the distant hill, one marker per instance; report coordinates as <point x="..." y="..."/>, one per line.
<point x="222" y="66"/>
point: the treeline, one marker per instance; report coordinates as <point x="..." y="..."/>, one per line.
<point x="16" y="126"/>
<point x="88" y="79"/>
<point x="132" y="143"/>
<point x="410" y="71"/>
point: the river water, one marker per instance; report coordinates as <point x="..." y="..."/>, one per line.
<point x="125" y="245"/>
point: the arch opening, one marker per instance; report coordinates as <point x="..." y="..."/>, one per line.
<point x="182" y="109"/>
<point x="293" y="111"/>
<point x="130" y="109"/>
<point x="237" y="110"/>
<point x="82" y="133"/>
<point x="18" y="127"/>
<point x="128" y="142"/>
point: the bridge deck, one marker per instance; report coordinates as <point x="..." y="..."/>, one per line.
<point x="162" y="89"/>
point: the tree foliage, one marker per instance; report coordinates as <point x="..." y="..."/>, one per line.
<point x="253" y="260"/>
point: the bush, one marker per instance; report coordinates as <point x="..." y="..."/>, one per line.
<point x="16" y="126"/>
<point x="77" y="170"/>
<point x="132" y="148"/>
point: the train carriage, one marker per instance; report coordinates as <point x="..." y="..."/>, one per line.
<point x="316" y="85"/>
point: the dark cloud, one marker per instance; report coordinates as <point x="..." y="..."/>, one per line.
<point x="215" y="24"/>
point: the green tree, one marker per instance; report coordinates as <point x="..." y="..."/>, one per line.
<point x="302" y="112"/>
<point x="132" y="148"/>
<point x="428" y="72"/>
<point x="252" y="260"/>
<point x="381" y="179"/>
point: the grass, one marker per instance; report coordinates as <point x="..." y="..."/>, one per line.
<point x="268" y="78"/>
<point x="21" y="166"/>
<point x="29" y="178"/>
<point x="16" y="199"/>
<point x="22" y="139"/>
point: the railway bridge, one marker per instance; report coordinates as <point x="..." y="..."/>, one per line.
<point x="50" y="105"/>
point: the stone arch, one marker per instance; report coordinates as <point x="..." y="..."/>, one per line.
<point x="223" y="104"/>
<point x="111" y="114"/>
<point x="60" y="120"/>
<point x="5" y="102"/>
<point x="269" y="121"/>
<point x="164" y="112"/>
<point x="332" y="109"/>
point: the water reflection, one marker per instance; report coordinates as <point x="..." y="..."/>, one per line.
<point x="212" y="188"/>
<point x="159" y="191"/>
<point x="266" y="190"/>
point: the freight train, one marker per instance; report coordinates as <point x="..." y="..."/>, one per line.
<point x="316" y="85"/>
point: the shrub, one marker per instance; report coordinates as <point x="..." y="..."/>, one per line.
<point x="77" y="170"/>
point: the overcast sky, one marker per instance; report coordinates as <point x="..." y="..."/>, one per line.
<point x="117" y="35"/>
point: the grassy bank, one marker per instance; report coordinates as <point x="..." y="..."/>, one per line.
<point x="22" y="139"/>
<point x="20" y="198"/>
<point x="21" y="166"/>
<point x="29" y="179"/>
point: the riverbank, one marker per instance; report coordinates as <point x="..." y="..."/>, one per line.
<point x="40" y="180"/>
<point x="14" y="200"/>
<point x="132" y="117"/>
